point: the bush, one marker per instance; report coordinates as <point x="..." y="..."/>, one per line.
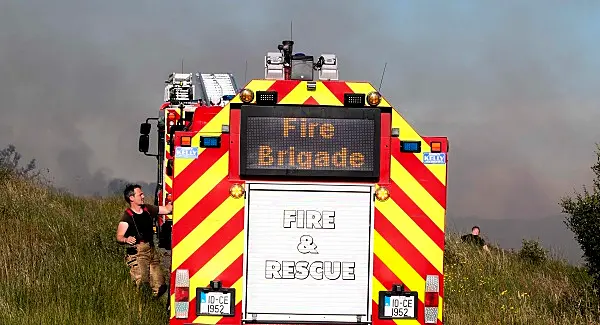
<point x="584" y="221"/>
<point x="532" y="252"/>
<point x="9" y="164"/>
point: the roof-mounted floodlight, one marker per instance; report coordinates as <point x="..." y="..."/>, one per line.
<point x="274" y="66"/>
<point x="329" y="67"/>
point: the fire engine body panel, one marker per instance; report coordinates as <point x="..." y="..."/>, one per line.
<point x="198" y="91"/>
<point x="298" y="202"/>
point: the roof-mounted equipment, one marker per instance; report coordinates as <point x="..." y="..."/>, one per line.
<point x="284" y="65"/>
<point x="179" y="88"/>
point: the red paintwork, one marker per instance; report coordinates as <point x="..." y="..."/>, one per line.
<point x="234" y="145"/>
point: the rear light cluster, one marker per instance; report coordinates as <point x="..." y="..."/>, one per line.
<point x="171" y="119"/>
<point x="182" y="294"/>
<point x="432" y="298"/>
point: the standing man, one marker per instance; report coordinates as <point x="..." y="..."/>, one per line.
<point x="136" y="230"/>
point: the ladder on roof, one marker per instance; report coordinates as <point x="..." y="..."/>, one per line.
<point x="216" y="89"/>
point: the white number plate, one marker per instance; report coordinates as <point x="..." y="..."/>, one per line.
<point x="400" y="306"/>
<point x="215" y="303"/>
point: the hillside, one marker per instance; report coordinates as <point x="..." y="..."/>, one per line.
<point x="60" y="265"/>
<point x="522" y="287"/>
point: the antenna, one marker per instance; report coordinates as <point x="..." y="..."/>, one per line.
<point x="291" y="31"/>
<point x="246" y="72"/>
<point x="383" y="74"/>
<point x="182" y="65"/>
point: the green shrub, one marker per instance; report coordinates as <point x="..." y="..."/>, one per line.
<point x="532" y="252"/>
<point x="583" y="220"/>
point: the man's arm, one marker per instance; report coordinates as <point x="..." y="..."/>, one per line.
<point x="165" y="209"/>
<point x="121" y="229"/>
<point x="156" y="210"/>
<point x="483" y="244"/>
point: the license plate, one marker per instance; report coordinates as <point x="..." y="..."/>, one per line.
<point x="215" y="303"/>
<point x="400" y="306"/>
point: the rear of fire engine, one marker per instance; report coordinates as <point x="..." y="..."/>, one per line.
<point x="307" y="200"/>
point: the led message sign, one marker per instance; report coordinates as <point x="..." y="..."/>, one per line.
<point x="309" y="141"/>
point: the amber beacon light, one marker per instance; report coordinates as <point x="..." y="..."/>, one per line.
<point x="374" y="98"/>
<point x="382" y="194"/>
<point x="236" y="191"/>
<point x="246" y="95"/>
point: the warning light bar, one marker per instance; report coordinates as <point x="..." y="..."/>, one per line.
<point x="266" y="97"/>
<point x="410" y="146"/>
<point x="210" y="142"/>
<point x="354" y="100"/>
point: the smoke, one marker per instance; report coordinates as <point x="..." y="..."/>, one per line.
<point x="514" y="87"/>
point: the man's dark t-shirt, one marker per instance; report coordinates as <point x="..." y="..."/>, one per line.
<point x="473" y="239"/>
<point x="142" y="228"/>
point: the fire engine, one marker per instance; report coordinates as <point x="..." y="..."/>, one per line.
<point x="306" y="199"/>
<point x="183" y="94"/>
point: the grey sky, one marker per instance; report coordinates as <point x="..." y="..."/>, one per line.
<point x="514" y="86"/>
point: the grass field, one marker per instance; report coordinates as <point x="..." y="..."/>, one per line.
<point x="59" y="264"/>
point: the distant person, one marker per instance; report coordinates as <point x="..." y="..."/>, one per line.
<point x="474" y="238"/>
<point x="136" y="230"/>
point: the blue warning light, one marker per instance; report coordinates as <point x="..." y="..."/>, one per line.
<point x="410" y="146"/>
<point x="210" y="142"/>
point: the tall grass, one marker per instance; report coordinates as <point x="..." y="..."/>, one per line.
<point x="525" y="287"/>
<point x="59" y="264"/>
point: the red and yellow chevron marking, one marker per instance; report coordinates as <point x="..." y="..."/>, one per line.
<point x="208" y="225"/>
<point x="410" y="226"/>
<point x="296" y="92"/>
